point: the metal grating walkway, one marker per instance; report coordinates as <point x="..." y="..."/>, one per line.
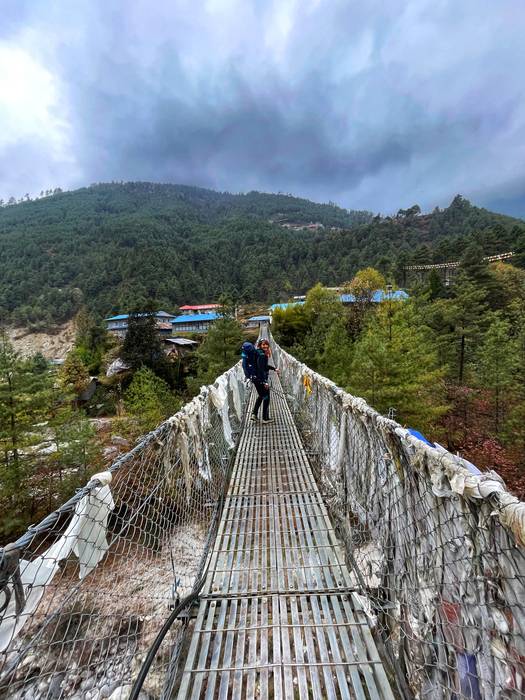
<point x="278" y="617"/>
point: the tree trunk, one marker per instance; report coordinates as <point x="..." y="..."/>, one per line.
<point x="461" y="359"/>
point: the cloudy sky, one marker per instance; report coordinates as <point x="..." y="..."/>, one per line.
<point x="375" y="104"/>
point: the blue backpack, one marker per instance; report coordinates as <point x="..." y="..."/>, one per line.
<point x="249" y="359"/>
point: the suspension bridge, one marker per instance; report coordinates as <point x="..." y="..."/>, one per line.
<point x="449" y="268"/>
<point x="329" y="554"/>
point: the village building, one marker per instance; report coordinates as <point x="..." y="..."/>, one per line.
<point x="199" y="308"/>
<point x="378" y="296"/>
<point x="257" y="321"/>
<point x="118" y="325"/>
<point x="194" y="323"/>
<point x="179" y="347"/>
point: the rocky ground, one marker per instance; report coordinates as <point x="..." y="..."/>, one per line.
<point x="95" y="646"/>
<point x="53" y="346"/>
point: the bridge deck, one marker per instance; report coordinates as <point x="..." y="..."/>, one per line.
<point x="278" y="616"/>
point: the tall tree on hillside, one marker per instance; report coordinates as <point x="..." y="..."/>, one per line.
<point x="363" y="286"/>
<point x="515" y="424"/>
<point x="73" y="375"/>
<point x="458" y="323"/>
<point x="142" y="345"/>
<point x="23" y="393"/>
<point x="22" y="398"/>
<point x="91" y="340"/>
<point x="220" y="349"/>
<point x="435" y="287"/>
<point x="290" y="325"/>
<point x="336" y="359"/>
<point x="476" y="269"/>
<point x="395" y="365"/>
<point x="497" y="366"/>
<point x="322" y="308"/>
<point x="510" y="290"/>
<point x="149" y="399"/>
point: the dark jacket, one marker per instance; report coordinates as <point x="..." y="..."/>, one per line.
<point x="262" y="367"/>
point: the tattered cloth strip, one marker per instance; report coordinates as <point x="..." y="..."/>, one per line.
<point x="219" y="397"/>
<point x="85" y="536"/>
<point x="235" y="378"/>
<point x="439" y="544"/>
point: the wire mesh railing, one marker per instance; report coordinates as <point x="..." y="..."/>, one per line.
<point x="436" y="546"/>
<point x="84" y="593"/>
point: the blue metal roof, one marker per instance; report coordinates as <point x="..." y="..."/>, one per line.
<point x="157" y="314"/>
<point x="285" y="306"/>
<point x="377" y="296"/>
<point x="259" y="318"/>
<point x="196" y="317"/>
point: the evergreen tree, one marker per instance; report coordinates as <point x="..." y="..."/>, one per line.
<point x="515" y="424"/>
<point x="142" y="345"/>
<point x="395" y="365"/>
<point x="322" y="308"/>
<point x="458" y="323"/>
<point x="290" y="325"/>
<point x="23" y="392"/>
<point x="363" y="286"/>
<point x="91" y="340"/>
<point x="336" y="359"/>
<point x="477" y="270"/>
<point x="497" y="365"/>
<point x="73" y="375"/>
<point x="435" y="287"/>
<point x="149" y="399"/>
<point x="220" y="349"/>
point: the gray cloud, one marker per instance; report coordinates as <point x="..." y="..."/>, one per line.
<point x="376" y="106"/>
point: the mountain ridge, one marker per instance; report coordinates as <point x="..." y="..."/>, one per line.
<point x="114" y="246"/>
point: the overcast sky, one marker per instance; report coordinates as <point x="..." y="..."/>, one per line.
<point x="373" y="104"/>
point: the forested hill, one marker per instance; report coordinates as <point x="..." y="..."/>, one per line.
<point x="113" y="246"/>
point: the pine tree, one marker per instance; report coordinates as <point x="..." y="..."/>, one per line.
<point x="91" y="340"/>
<point x="515" y="423"/>
<point x="23" y="393"/>
<point x="395" y="365"/>
<point x="458" y="323"/>
<point x="362" y="287"/>
<point x="73" y="375"/>
<point x="142" y="346"/>
<point x="322" y="308"/>
<point x="435" y="287"/>
<point x="149" y="399"/>
<point x="220" y="349"/>
<point x="497" y="365"/>
<point x="336" y="360"/>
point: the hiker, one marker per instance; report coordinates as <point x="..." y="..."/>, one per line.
<point x="260" y="380"/>
<point x="249" y="355"/>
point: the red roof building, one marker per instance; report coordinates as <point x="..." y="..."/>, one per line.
<point x="199" y="308"/>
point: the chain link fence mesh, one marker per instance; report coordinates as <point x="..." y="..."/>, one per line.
<point x="84" y="593"/>
<point x="436" y="546"/>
